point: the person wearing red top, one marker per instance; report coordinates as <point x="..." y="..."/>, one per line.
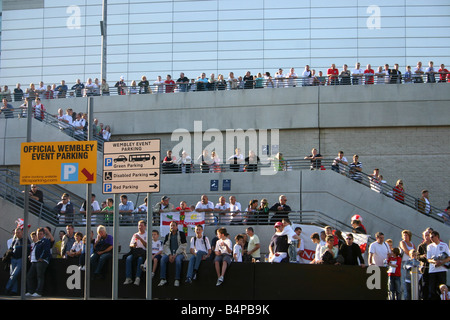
<point x="444" y="74"/>
<point x="394" y="263"/>
<point x="333" y="75"/>
<point x="170" y="84"/>
<point x="399" y="191"/>
<point x="367" y="72"/>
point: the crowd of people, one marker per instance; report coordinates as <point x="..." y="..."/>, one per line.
<point x="76" y="124"/>
<point x="431" y="257"/>
<point x="73" y="123"/>
<point x="308" y="77"/>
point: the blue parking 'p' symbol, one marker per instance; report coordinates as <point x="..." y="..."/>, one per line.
<point x="107" y="187"/>
<point x="69" y="172"/>
<point x="108" y="162"/>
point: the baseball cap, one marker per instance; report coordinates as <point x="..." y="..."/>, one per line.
<point x="164" y="198"/>
<point x="278" y="224"/>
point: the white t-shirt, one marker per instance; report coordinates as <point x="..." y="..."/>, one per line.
<point x="139" y="243"/>
<point x="307" y="77"/>
<point x="68" y="118"/>
<point x="434" y="250"/>
<point x="357" y="72"/>
<point x="94" y="205"/>
<point x="318" y="247"/>
<point x="380" y="252"/>
<point x="224" y="207"/>
<point x="200" y="245"/>
<point x="157" y="246"/>
<point x="221" y="247"/>
<point x="224" y="215"/>
<point x="77" y="124"/>
<point x="237" y="250"/>
<point x="77" y="246"/>
<point x="279" y="80"/>
<point x="201" y="205"/>
<point x="287" y="230"/>
<point x="291" y="79"/>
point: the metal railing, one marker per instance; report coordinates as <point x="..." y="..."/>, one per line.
<point x="206" y="84"/>
<point x="273" y="165"/>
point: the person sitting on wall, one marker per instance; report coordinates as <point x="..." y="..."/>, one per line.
<point x="102" y="252"/>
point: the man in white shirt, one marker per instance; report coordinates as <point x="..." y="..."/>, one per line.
<point x="438" y="254"/>
<point x="339" y="163"/>
<point x="291" y="78"/>
<point x="357" y="74"/>
<point x="78" y="125"/>
<point x="67" y="121"/>
<point x="200" y="250"/>
<point x="235" y="210"/>
<point x="138" y="250"/>
<point x="378" y="251"/>
<point x="205" y="206"/>
<point x="223" y="209"/>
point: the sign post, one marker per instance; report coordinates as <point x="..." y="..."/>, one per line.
<point x="132" y="166"/>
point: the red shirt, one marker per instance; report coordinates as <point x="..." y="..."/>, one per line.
<point x="170" y="85"/>
<point x="398" y="193"/>
<point x="334" y="73"/>
<point x="443" y="76"/>
<point x="369" y="79"/>
<point x="398" y="269"/>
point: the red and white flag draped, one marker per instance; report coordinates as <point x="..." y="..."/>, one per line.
<point x="186" y="221"/>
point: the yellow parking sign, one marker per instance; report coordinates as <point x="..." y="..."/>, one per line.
<point x="65" y="162"/>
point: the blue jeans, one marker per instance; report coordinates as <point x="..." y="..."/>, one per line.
<point x="36" y="277"/>
<point x="395" y="287"/>
<point x="16" y="269"/>
<point x="129" y="266"/>
<point x="98" y="261"/>
<point x="194" y="263"/>
<point x="178" y="264"/>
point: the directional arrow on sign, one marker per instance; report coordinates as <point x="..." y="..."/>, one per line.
<point x="155" y="174"/>
<point x="153" y="159"/>
<point x="154" y="186"/>
<point x="88" y="175"/>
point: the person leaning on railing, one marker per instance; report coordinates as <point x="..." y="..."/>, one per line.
<point x="398" y="192"/>
<point x="424" y="205"/>
<point x="444" y="74"/>
<point x="6" y="109"/>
